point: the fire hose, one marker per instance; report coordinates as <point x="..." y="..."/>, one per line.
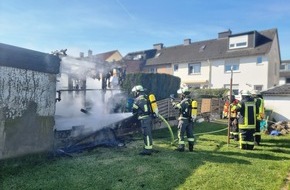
<point x="168" y="126"/>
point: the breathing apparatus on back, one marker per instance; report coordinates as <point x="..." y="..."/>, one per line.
<point x="153" y="105"/>
<point x="137" y="90"/>
<point x="192" y="108"/>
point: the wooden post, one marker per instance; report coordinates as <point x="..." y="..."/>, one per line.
<point x="229" y="109"/>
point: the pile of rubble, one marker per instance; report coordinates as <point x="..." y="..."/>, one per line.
<point x="282" y="127"/>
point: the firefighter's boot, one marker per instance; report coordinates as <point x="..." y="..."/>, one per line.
<point x="190" y="147"/>
<point x="145" y="152"/>
<point x="180" y="148"/>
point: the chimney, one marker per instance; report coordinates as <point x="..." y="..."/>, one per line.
<point x="224" y="34"/>
<point x="81" y="54"/>
<point x="90" y="53"/>
<point x="158" y="46"/>
<point x="187" y="42"/>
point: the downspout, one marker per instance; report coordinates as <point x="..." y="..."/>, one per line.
<point x="209" y="77"/>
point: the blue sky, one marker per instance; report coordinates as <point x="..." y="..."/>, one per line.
<point x="131" y="25"/>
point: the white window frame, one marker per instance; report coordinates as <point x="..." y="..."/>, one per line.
<point x="194" y="71"/>
<point x="233" y="63"/>
<point x="238" y="42"/>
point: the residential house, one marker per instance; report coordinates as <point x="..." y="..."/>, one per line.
<point x="254" y="57"/>
<point x="285" y="72"/>
<point x="277" y="99"/>
<point x="110" y="56"/>
<point x="136" y="61"/>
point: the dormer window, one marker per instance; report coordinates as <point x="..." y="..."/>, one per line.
<point x="158" y="54"/>
<point x="238" y="42"/>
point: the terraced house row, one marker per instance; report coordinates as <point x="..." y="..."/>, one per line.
<point x="254" y="57"/>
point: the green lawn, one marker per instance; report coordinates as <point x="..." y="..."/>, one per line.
<point x="213" y="165"/>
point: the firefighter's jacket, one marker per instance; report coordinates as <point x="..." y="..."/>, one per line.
<point x="234" y="107"/>
<point x="247" y="114"/>
<point x="260" y="109"/>
<point x="226" y="109"/>
<point x="184" y="109"/>
<point x="141" y="107"/>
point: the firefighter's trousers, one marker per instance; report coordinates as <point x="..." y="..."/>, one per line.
<point x="257" y="135"/>
<point x="185" y="126"/>
<point x="146" y="128"/>
<point x="234" y="129"/>
<point x="247" y="138"/>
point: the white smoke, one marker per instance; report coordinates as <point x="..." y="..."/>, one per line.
<point x="98" y="104"/>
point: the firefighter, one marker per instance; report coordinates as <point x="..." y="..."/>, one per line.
<point x="186" y="118"/>
<point x="247" y="121"/>
<point x="260" y="111"/>
<point x="225" y="109"/>
<point x="234" y="128"/>
<point x="141" y="109"/>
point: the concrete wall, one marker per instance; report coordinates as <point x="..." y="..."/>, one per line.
<point x="274" y="63"/>
<point x="27" y="100"/>
<point x="26" y="111"/>
<point x="280" y="106"/>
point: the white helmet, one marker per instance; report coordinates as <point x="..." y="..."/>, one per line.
<point x="138" y="88"/>
<point x="245" y="93"/>
<point x="183" y="89"/>
<point x="255" y="92"/>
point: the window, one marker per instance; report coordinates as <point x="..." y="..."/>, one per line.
<point x="258" y="87"/>
<point x="232" y="63"/>
<point x="259" y="60"/>
<point x="244" y="44"/>
<point x="288" y="67"/>
<point x="175" y="67"/>
<point x="194" y="68"/>
<point x="236" y="91"/>
<point x="201" y="49"/>
<point x="287" y="80"/>
<point x="235" y="88"/>
<point x="283" y="67"/>
<point x="234" y="66"/>
<point x="158" y="54"/>
<point x="153" y="70"/>
<point x="238" y="42"/>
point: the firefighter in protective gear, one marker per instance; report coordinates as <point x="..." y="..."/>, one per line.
<point x="225" y="109"/>
<point x="260" y="112"/>
<point x="234" y="127"/>
<point x="141" y="109"/>
<point x="185" y="120"/>
<point x="247" y="121"/>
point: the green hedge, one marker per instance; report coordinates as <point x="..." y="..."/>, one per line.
<point x="161" y="85"/>
<point x="209" y="93"/>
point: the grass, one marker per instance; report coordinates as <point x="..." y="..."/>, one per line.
<point x="213" y="165"/>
